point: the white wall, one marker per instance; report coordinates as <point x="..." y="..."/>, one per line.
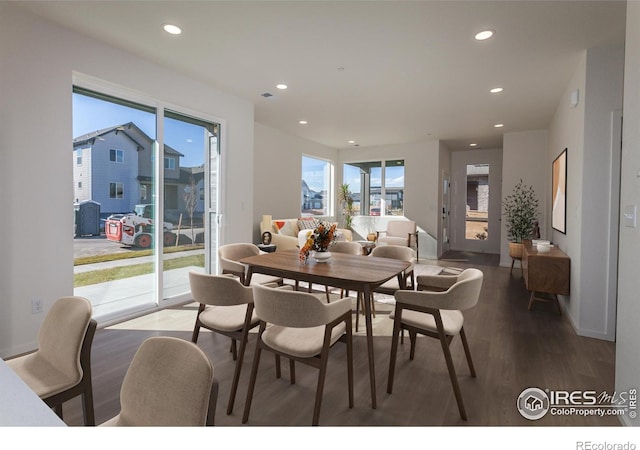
<point x="459" y="162"/>
<point x="524" y="157"/>
<point x="37" y="62"/>
<point x="628" y="331"/>
<point x="586" y="132"/>
<point x="567" y="131"/>
<point x="277" y="173"/>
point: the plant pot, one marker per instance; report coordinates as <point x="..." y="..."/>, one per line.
<point x="515" y="250"/>
<point x="322" y="257"/>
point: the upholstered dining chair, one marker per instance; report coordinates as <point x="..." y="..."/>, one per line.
<point x="60" y="369"/>
<point x="399" y="232"/>
<point x="438" y="315"/>
<point x="230" y="255"/>
<point x="402" y="254"/>
<point x="301" y="327"/>
<point x="170" y="382"/>
<point x="226" y="308"/>
<point x="346" y="247"/>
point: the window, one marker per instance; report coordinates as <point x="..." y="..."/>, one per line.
<point x="170" y="163"/>
<point x="79" y="160"/>
<point x="116" y="190"/>
<point x="116" y="155"/>
<point x="316" y="186"/>
<point x="377" y="187"/>
<point x="79" y="184"/>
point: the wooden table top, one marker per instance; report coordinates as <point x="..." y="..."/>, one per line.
<point x="340" y="269"/>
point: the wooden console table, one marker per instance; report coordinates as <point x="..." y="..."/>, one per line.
<point x="546" y="273"/>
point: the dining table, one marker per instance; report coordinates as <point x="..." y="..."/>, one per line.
<point x="362" y="274"/>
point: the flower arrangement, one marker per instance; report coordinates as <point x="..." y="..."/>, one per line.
<point x="318" y="240"/>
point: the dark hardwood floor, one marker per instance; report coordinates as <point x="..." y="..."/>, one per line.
<point x="512" y="349"/>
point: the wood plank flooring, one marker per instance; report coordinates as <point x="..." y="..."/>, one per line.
<point x="512" y="349"/>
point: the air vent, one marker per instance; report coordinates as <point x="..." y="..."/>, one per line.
<point x="267" y="94"/>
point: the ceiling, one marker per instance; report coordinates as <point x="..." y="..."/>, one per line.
<point x="375" y="72"/>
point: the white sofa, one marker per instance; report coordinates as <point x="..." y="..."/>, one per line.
<point x="285" y="232"/>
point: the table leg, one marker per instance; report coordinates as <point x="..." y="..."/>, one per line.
<point x="368" y="298"/>
<point x="247" y="278"/>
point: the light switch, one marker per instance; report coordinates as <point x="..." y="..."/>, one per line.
<point x="630" y="216"/>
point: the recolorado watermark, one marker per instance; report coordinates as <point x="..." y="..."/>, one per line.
<point x="534" y="403"/>
<point x="589" y="445"/>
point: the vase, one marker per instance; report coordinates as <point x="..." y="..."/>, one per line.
<point x="322" y="257"/>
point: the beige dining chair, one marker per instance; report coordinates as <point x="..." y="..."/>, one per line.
<point x="169" y="383"/>
<point x="60" y="369"/>
<point x="437" y="315"/>
<point x="301" y="327"/>
<point x="226" y="308"/>
<point x="230" y="256"/>
<point x="400" y="232"/>
<point x="348" y="248"/>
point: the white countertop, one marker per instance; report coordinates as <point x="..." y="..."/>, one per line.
<point x="20" y="406"/>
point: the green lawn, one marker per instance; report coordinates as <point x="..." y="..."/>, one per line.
<point x="134" y="270"/>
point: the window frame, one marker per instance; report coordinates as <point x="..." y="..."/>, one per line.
<point x="117" y="152"/>
<point x="328" y="200"/>
<point x="116" y="183"/>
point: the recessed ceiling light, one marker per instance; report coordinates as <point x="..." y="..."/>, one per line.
<point x="499" y="125"/>
<point x="495" y="90"/>
<point x="483" y="35"/>
<point x="303" y="122"/>
<point x="281" y="86"/>
<point x="352" y="142"/>
<point x="473" y="145"/>
<point x="171" y="29"/>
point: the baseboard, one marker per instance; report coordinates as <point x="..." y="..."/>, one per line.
<point x="583" y="332"/>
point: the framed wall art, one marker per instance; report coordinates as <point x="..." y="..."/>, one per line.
<point x="559" y="193"/>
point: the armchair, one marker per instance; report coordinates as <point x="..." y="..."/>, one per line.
<point x="400" y="232"/>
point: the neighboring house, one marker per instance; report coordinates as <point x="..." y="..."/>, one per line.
<point x="114" y="167"/>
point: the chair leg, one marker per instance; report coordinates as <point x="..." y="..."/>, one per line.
<point x="373" y="307"/>
<point x="238" y="368"/>
<point x="196" y="333"/>
<point x="394" y="347"/>
<point x="452" y="371"/>
<point x="324" y="358"/>
<point x="87" y="407"/>
<point x="58" y="410"/>
<point x="326" y="291"/>
<point x="234" y="349"/>
<point x="349" y="361"/>
<point x="292" y="371"/>
<point x="463" y="336"/>
<point x="252" y="380"/>
<point x="278" y="371"/>
<point x="413" y="338"/>
<point x="357" y="310"/>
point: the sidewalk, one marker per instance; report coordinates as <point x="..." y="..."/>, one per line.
<point x="127" y="296"/>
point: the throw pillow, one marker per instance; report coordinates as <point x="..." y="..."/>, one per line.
<point x="285" y="227"/>
<point x="307" y="223"/>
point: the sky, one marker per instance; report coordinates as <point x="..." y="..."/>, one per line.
<point x="90" y="114"/>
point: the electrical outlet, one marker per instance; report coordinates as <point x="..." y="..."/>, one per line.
<point x="36" y="306"/>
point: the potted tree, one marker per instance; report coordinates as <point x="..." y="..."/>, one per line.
<point x="520" y="211"/>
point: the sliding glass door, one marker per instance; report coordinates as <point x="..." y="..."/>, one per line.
<point x="145" y="197"/>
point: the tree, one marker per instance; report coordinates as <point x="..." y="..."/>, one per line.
<point x="191" y="203"/>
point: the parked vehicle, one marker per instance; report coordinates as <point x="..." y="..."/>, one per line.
<point x="136" y="229"/>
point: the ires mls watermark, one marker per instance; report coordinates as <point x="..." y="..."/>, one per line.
<point x="534" y="403"/>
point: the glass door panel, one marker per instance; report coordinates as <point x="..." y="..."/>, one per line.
<point x="187" y="147"/>
<point x="114" y="184"/>
<point x="477" y="194"/>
